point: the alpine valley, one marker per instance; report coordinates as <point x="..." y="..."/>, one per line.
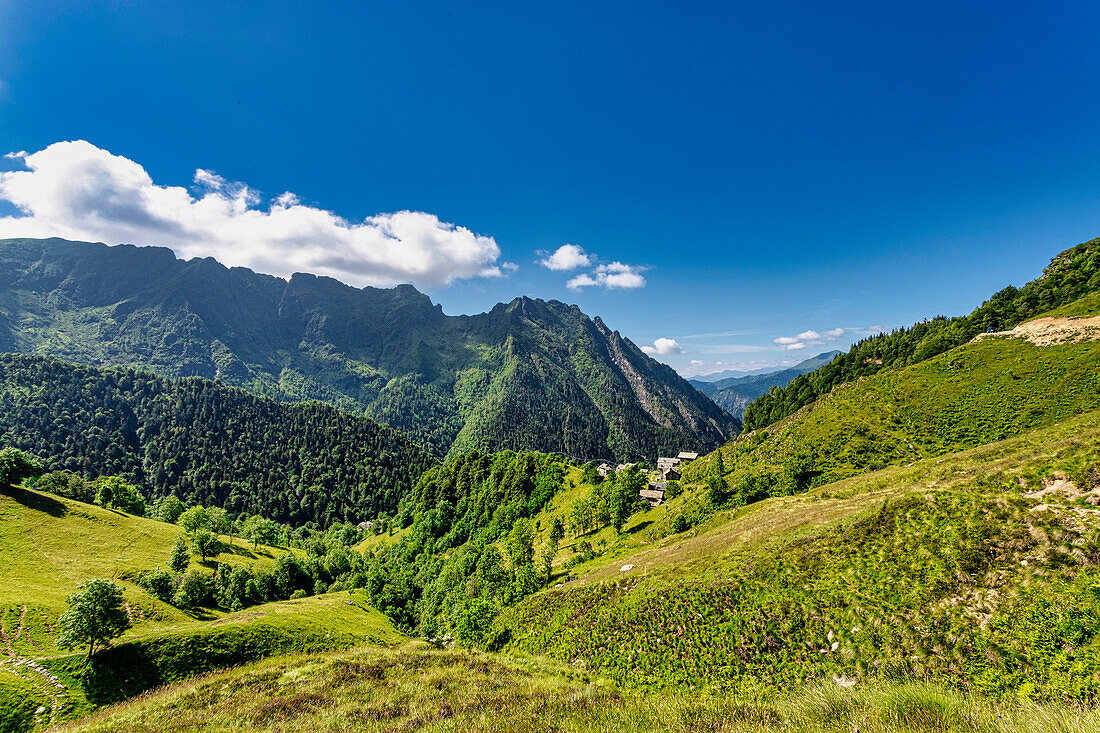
<point x="203" y="526"/>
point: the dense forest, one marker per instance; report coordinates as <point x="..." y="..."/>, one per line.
<point x="205" y="442"/>
<point x="1070" y="275"/>
<point x="527" y="375"/>
<point x="469" y="547"/>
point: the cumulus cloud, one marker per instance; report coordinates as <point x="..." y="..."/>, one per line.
<point x="78" y="191"/>
<point x="663" y="346"/>
<point x="610" y="276"/>
<point x="566" y="257"/>
<point x="808" y="338"/>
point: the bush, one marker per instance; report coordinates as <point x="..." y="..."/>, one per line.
<point x="196" y="589"/>
<point x="161" y="584"/>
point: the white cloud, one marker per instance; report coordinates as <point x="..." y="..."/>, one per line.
<point x="807" y="338"/>
<point x="613" y="275"/>
<point x="17" y="155"/>
<point x="664" y="346"/>
<point x="78" y="191"/>
<point x="566" y="257"/>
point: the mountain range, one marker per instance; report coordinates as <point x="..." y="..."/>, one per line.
<point x="529" y="374"/>
<point x="736" y="390"/>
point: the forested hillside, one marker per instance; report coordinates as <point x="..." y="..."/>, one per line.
<point x="205" y="442"/>
<point x="469" y="549"/>
<point x="1069" y="276"/>
<point x="528" y="375"/>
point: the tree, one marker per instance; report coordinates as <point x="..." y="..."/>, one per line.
<point x="168" y="509"/>
<point x="95" y="616"/>
<point x="194" y="519"/>
<point x="181" y="555"/>
<point x="114" y="493"/>
<point x="205" y="544"/>
<point x="161" y="584"/>
<point x="557" y="531"/>
<point x="520" y="544"/>
<point x="67" y="484"/>
<point x="195" y="589"/>
<point x="626" y="496"/>
<point x="15" y="465"/>
<point x="219" y="520"/>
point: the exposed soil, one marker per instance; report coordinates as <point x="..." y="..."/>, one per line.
<point x="1053" y="331"/>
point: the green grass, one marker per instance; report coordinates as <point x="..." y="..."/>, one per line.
<point x="940" y="571"/>
<point x="418" y="689"/>
<point x="976" y="394"/>
<point x="49" y="544"/>
<point x="319" y="623"/>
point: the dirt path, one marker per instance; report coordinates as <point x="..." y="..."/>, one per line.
<point x="1053" y="331"/>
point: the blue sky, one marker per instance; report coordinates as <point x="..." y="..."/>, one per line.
<point x="767" y="171"/>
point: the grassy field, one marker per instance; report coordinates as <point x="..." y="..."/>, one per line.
<point x="976" y="394"/>
<point x="79" y="686"/>
<point x="415" y="688"/>
<point x="944" y="570"/>
<point x="49" y="544"/>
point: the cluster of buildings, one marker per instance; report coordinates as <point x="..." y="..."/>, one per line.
<point x="668" y="469"/>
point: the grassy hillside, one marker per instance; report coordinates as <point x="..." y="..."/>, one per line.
<point x="944" y="570"/>
<point x="1070" y="276"/>
<point x="420" y="689"/>
<point x="50" y="544"/>
<point x="978" y="393"/>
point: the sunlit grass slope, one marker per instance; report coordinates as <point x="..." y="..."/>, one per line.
<point x="419" y="689"/>
<point x="49" y="544"/>
<point x="979" y="393"/>
<point x="943" y="570"/>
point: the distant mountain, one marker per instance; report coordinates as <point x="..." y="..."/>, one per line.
<point x="734" y="373"/>
<point x="733" y="394"/>
<point x="528" y="374"/>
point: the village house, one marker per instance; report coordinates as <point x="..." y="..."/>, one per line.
<point x="687" y="457"/>
<point x="365" y="526"/>
<point x="654" y="494"/>
<point x="669" y="468"/>
<point x="605" y="469"/>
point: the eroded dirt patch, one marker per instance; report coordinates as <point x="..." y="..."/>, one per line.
<point x="1053" y="331"/>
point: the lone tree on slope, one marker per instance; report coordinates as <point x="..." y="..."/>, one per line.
<point x="15" y="465"/>
<point x="94" y="617"/>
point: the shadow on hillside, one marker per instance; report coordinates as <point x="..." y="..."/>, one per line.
<point x="640" y="526"/>
<point x="36" y="501"/>
<point x="228" y="549"/>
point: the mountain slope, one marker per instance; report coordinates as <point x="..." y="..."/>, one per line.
<point x="733" y="394"/>
<point x="526" y="375"/>
<point x="1069" y="276"/>
<point x="206" y="442"/>
<point x="987" y="390"/>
